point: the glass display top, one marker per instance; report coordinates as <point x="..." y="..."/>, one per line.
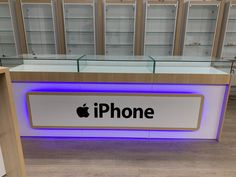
<point x="117" y="64"/>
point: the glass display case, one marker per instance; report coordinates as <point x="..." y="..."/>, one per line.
<point x="39" y="26"/>
<point x="7" y="35"/>
<point x="191" y="65"/>
<point x="79" y="22"/>
<point x="118" y="64"/>
<point x="115" y="64"/>
<point x="200" y="28"/>
<point x="120" y="27"/>
<point x="41" y="63"/>
<point x="160" y="25"/>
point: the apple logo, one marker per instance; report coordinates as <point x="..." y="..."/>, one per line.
<point x="83" y="111"/>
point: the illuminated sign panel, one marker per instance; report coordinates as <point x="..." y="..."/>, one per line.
<point x="115" y="110"/>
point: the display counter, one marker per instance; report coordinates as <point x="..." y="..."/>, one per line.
<point x="120" y="96"/>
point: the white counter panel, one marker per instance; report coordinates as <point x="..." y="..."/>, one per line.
<point x="214" y="98"/>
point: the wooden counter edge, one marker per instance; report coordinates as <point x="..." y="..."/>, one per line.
<point x="10" y="139"/>
<point x="209" y="79"/>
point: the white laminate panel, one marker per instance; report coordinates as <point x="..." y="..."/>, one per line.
<point x="213" y="101"/>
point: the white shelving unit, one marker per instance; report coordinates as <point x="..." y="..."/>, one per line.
<point x="120" y="28"/>
<point x="39" y="26"/>
<point x="160" y="25"/>
<point x="201" y="20"/>
<point x="79" y="22"/>
<point x="7" y="34"/>
<point x="229" y="41"/>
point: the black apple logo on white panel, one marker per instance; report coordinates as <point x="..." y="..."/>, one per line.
<point x="83" y="111"/>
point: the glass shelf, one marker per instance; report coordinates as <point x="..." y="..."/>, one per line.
<point x="72" y="18"/>
<point x="5" y="16"/>
<point x="168" y="45"/>
<point x="120" y="18"/>
<point x="171" y="19"/>
<point x="40" y="44"/>
<point x="80" y="31"/>
<point x="202" y="19"/>
<point x="198" y="45"/>
<point x="39" y="18"/>
<point x="5" y="43"/>
<point x="119" y="31"/>
<point x="79" y="44"/>
<point x="120" y="44"/>
<point x="159" y="29"/>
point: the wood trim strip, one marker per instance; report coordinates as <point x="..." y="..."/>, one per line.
<point x="218" y="29"/>
<point x="121" y="77"/>
<point x="10" y="138"/>
<point x="177" y="46"/>
<point x="60" y="27"/>
<point x="21" y="27"/>
<point x="116" y="94"/>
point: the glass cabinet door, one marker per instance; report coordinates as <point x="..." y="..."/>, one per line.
<point x="200" y="29"/>
<point x="39" y="27"/>
<point x="229" y="45"/>
<point x="119" y="28"/>
<point x="160" y="25"/>
<point x="79" y="19"/>
<point x="7" y="38"/>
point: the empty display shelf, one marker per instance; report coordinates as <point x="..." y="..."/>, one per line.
<point x="79" y="22"/>
<point x="39" y="26"/>
<point x="228" y="49"/>
<point x="160" y="24"/>
<point x="200" y="27"/>
<point x="120" y="27"/>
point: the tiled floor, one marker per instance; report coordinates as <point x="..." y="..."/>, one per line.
<point x="57" y="157"/>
